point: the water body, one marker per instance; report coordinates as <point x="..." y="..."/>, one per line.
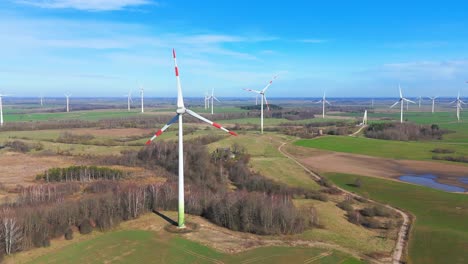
<point x="429" y="180"/>
<point x="463" y="180"/>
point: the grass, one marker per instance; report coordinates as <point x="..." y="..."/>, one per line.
<point x="138" y="246"/>
<point x="440" y="233"/>
<point x="339" y="230"/>
<point x="266" y="159"/>
<point x="381" y="148"/>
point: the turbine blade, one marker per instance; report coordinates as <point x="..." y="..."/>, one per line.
<point x="399" y="88"/>
<point x="180" y="98"/>
<point x="216" y="99"/>
<point x="408" y="100"/>
<point x="266" y="101"/>
<point x="327" y="102"/>
<point x="452" y="102"/>
<point x="268" y="85"/>
<point x="160" y="131"/>
<point x="318" y="102"/>
<point x="253" y="91"/>
<point x="393" y="105"/>
<point x="192" y="113"/>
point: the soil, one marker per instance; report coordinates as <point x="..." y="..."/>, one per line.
<point x="325" y="161"/>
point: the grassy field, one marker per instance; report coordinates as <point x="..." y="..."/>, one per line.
<point x="440" y="233"/>
<point x="139" y="246"/>
<point x="339" y="230"/>
<point x="381" y="148"/>
<point x="266" y="159"/>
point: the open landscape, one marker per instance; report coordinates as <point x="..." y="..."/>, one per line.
<point x="145" y="131"/>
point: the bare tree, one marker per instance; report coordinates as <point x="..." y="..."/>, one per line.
<point x="10" y="231"/>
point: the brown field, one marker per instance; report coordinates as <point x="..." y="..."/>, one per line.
<point x="115" y="132"/>
<point x="19" y="168"/>
<point x="327" y="161"/>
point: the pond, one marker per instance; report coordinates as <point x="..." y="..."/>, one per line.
<point x="429" y="180"/>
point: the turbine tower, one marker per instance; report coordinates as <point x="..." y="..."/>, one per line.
<point x="458" y="104"/>
<point x="68" y="102"/>
<point x="323" y="101"/>
<point x="141" y="95"/>
<point x="129" y="100"/>
<point x="42" y="99"/>
<point x="212" y="98"/>
<point x="181" y="110"/>
<point x="364" y="119"/>
<point x="262" y="94"/>
<point x="419" y="102"/>
<point x="401" y="101"/>
<point x="1" y="108"/>
<point x="433" y="102"/>
<point x="206" y="100"/>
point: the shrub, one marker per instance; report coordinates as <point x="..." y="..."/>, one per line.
<point x="18" y="146"/>
<point x="69" y="234"/>
<point x="85" y="227"/>
<point x="316" y="196"/>
<point x="345" y="205"/>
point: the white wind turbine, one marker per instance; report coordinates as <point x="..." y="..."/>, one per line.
<point x="419" y="102"/>
<point x="212" y="98"/>
<point x="1" y="108"/>
<point x="323" y="101"/>
<point x="41" y="99"/>
<point x="458" y="104"/>
<point x="142" y="102"/>
<point x="433" y="102"/>
<point x="181" y="110"/>
<point x="401" y="101"/>
<point x="129" y="100"/>
<point x="207" y="100"/>
<point x="364" y="119"/>
<point x="262" y="94"/>
<point x="68" y="102"/>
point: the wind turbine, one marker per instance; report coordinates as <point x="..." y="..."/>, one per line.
<point x="364" y="119"/>
<point x="1" y="108"/>
<point x="433" y="102"/>
<point x="212" y="98"/>
<point x="206" y="100"/>
<point x="129" y="100"/>
<point x="323" y="101"/>
<point x="141" y="95"/>
<point x="68" y="102"/>
<point x="401" y="101"/>
<point x="42" y="99"/>
<point x="419" y="102"/>
<point x="458" y="104"/>
<point x="262" y="94"/>
<point x="181" y="110"/>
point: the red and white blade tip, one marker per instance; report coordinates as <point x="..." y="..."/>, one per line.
<point x="148" y="142"/>
<point x="173" y="53"/>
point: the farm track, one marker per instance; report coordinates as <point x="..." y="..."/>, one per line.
<point x="397" y="255"/>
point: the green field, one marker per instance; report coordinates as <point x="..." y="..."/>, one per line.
<point x="381" y="148"/>
<point x="80" y="115"/>
<point x="137" y="246"/>
<point x="266" y="159"/>
<point x="440" y="233"/>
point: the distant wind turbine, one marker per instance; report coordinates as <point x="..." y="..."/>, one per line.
<point x="401" y="101"/>
<point x="181" y="110"/>
<point x="42" y="99"/>
<point x="207" y="100"/>
<point x="1" y="108"/>
<point x="68" y="102"/>
<point x="262" y="94"/>
<point x="419" y="102"/>
<point x="364" y="119"/>
<point x="212" y="98"/>
<point x="433" y="102"/>
<point x="458" y="104"/>
<point x="323" y="101"/>
<point x="142" y="102"/>
<point x="129" y="100"/>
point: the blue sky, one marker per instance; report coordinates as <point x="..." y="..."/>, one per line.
<point x="358" y="48"/>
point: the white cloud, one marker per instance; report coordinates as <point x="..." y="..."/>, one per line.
<point x="87" y="5"/>
<point x="313" y="41"/>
